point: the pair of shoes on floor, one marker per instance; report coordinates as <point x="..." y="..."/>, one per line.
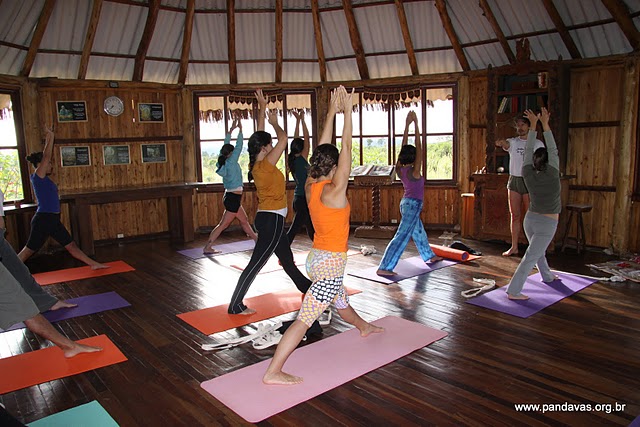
<point x="325" y="317"/>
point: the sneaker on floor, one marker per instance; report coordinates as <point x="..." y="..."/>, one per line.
<point x="325" y="317"/>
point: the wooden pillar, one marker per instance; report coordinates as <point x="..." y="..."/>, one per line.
<point x="624" y="161"/>
<point x="188" y="137"/>
<point x="463" y="134"/>
<point x="322" y="105"/>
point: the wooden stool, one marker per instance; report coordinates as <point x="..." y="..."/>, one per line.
<point x="580" y="236"/>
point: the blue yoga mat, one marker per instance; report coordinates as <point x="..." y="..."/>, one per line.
<point x="541" y="294"/>
<point x="227" y="248"/>
<point x="89" y="304"/>
<point x="90" y="414"/>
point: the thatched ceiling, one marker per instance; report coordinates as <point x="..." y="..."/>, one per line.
<point x="273" y="41"/>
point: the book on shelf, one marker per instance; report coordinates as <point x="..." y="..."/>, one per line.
<point x="503" y="105"/>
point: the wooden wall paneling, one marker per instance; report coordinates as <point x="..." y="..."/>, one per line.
<point x="594" y="94"/>
<point x="478" y="100"/>
<point x="477" y="152"/>
<point x="591" y="155"/>
<point x="598" y="222"/>
<point x="111" y="219"/>
<point x="634" y="228"/>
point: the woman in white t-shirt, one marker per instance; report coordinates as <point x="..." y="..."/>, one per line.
<point x="518" y="193"/>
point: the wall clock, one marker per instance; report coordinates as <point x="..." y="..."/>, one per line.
<point x="113" y="106"/>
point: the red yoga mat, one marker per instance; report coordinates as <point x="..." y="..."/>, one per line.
<point x="453" y="254"/>
<point x="49" y="364"/>
<point x="216" y="319"/>
<point x="70" y="274"/>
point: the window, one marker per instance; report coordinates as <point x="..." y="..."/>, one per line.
<point x="378" y="129"/>
<point x="13" y="167"/>
<point x="216" y="112"/>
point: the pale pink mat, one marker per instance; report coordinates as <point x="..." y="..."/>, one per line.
<point x="324" y="365"/>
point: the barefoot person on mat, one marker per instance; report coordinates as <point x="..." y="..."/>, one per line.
<point x="326" y="193"/>
<point x="409" y="169"/>
<point x="272" y="210"/>
<point x="231" y="173"/>
<point x="542" y="177"/>
<point x="46" y="221"/>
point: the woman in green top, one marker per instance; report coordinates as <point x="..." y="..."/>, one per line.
<point x="298" y="166"/>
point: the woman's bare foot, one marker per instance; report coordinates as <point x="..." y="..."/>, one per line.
<point x="511" y="251"/>
<point x="519" y="297"/>
<point x="555" y="277"/>
<point x="386" y="273"/>
<point x="80" y="348"/>
<point x="98" y="266"/>
<point x="208" y="250"/>
<point x="247" y="312"/>
<point x="435" y="259"/>
<point x="62" y="304"/>
<point x="368" y="329"/>
<point x="281" y="378"/>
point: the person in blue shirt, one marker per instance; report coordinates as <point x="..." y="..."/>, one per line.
<point x="298" y="166"/>
<point x="231" y="173"/>
<point x="46" y="222"/>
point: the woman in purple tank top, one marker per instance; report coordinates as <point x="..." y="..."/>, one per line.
<point x="409" y="169"/>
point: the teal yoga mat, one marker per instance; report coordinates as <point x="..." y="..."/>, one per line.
<point x="90" y="414"/>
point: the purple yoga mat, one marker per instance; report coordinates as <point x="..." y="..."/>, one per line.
<point x="323" y="365"/>
<point x="406" y="268"/>
<point x="635" y="423"/>
<point x="227" y="248"/>
<point x="89" y="304"/>
<point x="541" y="295"/>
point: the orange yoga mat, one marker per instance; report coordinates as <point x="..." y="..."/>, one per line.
<point x="49" y="364"/>
<point x="452" y="254"/>
<point x="52" y="277"/>
<point x="216" y="319"/>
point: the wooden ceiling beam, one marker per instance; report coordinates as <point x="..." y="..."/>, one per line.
<point x="621" y="14"/>
<point x="145" y="41"/>
<point x="356" y="42"/>
<point x="408" y="44"/>
<point x="279" y="25"/>
<point x="317" y="30"/>
<point x="88" y="39"/>
<point x="186" y="41"/>
<point x="562" y="29"/>
<point x="38" y="34"/>
<point x="448" y="27"/>
<point x="231" y="41"/>
<point x="486" y="11"/>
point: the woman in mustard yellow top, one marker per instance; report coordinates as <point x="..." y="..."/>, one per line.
<point x="272" y="210"/>
<point x="326" y="192"/>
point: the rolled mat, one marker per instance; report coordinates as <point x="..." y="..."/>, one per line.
<point x="88" y="304"/>
<point x="452" y="254"/>
<point x="90" y="413"/>
<point x="216" y="319"/>
<point x="48" y="364"/>
<point x="323" y="365"/>
<point x="70" y="274"/>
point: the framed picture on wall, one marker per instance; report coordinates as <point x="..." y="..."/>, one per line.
<point x="71" y="111"/>
<point x="154" y="153"/>
<point x="116" y="154"/>
<point x="75" y="156"/>
<point x="150" y="113"/>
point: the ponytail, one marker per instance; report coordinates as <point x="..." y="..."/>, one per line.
<point x="297" y="145"/>
<point x="258" y="140"/>
<point x="225" y="151"/>
<point x="35" y="158"/>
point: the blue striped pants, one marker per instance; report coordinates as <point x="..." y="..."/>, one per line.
<point x="410" y="228"/>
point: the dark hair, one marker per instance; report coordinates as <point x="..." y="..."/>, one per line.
<point x="523" y="118"/>
<point x="35" y="158"/>
<point x="407" y="155"/>
<point x="224" y="153"/>
<point x="323" y="159"/>
<point x="297" y="145"/>
<point x="258" y="140"/>
<point x="540" y="159"/>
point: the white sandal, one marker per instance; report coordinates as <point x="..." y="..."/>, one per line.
<point x="327" y="320"/>
<point x="263" y="329"/>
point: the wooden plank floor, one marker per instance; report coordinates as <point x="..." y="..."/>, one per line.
<point x="583" y="349"/>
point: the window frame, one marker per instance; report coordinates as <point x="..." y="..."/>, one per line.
<point x="16" y="111"/>
<point x="225" y="94"/>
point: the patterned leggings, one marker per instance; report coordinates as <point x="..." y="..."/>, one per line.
<point x="326" y="269"/>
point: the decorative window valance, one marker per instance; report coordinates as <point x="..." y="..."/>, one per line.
<point x="383" y="98"/>
<point x="5" y="106"/>
<point x="245" y="103"/>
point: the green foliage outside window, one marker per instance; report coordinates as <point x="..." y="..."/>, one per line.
<point x="10" y="179"/>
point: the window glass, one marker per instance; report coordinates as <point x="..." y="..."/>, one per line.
<point x="440" y="112"/>
<point x="10" y="169"/>
<point x="439" y="150"/>
<point x="355" y="150"/>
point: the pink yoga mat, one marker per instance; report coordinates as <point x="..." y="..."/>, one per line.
<point x="227" y="248"/>
<point x="324" y="365"/>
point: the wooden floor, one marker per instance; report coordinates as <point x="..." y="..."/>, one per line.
<point x="584" y="349"/>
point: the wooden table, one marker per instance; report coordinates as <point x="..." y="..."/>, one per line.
<point x="179" y="209"/>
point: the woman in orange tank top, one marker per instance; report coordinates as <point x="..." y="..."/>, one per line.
<point x="326" y="192"/>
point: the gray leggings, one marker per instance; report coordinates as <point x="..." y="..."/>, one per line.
<point x="540" y="230"/>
